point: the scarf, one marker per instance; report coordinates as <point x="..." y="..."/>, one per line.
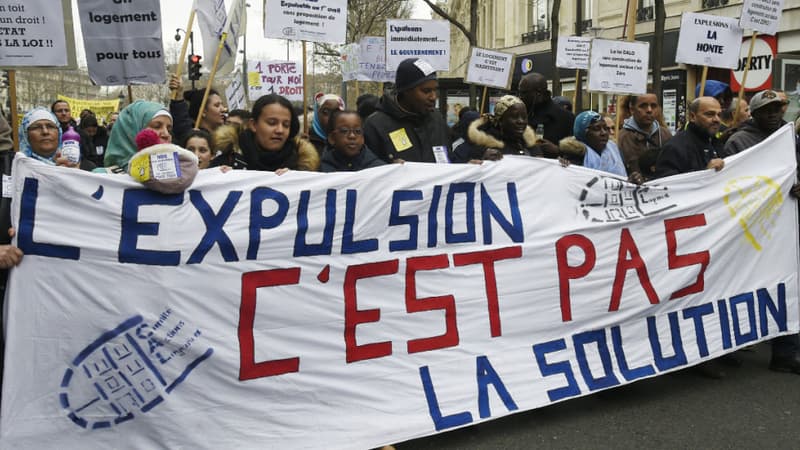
<point x="35" y="115"/>
<point x="265" y="160"/>
<point x="609" y="160"/>
<point x="131" y="120"/>
<point x="316" y="125"/>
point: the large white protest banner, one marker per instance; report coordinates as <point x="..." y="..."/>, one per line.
<point x="33" y="34"/>
<point x="306" y="20"/>
<point x="573" y="52"/>
<point x="351" y="310"/>
<point x="424" y="39"/>
<point x="275" y="77"/>
<point x="122" y="41"/>
<point x="619" y="66"/>
<point x="707" y="40"/>
<point x="490" y="68"/>
<point x="763" y="16"/>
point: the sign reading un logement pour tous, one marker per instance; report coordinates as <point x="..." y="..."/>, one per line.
<point x="122" y="40"/>
<point x="351" y="310"/>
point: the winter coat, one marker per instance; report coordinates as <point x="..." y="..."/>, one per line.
<point x="578" y="153"/>
<point x="688" y="151"/>
<point x="557" y="121"/>
<point x="483" y="135"/>
<point x="96" y="146"/>
<point x="335" y="161"/>
<point x="747" y="136"/>
<point x="297" y="154"/>
<point x="640" y="148"/>
<point x="394" y="133"/>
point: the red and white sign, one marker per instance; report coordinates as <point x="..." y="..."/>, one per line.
<point x="759" y="75"/>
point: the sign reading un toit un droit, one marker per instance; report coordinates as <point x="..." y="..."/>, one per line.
<point x="306" y="20"/>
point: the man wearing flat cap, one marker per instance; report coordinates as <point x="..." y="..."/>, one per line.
<point x="766" y="116"/>
<point x="406" y="125"/>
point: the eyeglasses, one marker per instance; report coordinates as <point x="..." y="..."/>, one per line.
<point x="347" y="131"/>
<point x="42" y="127"/>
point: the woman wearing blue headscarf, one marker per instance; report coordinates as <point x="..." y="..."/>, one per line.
<point x="40" y="139"/>
<point x="324" y="105"/>
<point x="599" y="153"/>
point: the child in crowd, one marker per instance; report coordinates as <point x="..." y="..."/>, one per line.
<point x="200" y="143"/>
<point x="345" y="150"/>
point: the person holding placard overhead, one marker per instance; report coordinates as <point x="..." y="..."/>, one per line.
<point x="551" y="122"/>
<point x="406" y="125"/>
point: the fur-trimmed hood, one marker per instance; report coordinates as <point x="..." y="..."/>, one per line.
<point x="483" y="133"/>
<point x="572" y="147"/>
<point x="307" y="155"/>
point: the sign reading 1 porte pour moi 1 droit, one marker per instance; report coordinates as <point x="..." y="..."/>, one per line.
<point x="707" y="40"/>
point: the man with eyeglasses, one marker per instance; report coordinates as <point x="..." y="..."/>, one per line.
<point x="551" y="122"/>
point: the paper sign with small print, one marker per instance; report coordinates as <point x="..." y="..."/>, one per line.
<point x="490" y="68"/>
<point x="275" y="77"/>
<point x="707" y="40"/>
<point x="424" y="39"/>
<point x="573" y="52"/>
<point x="122" y="41"/>
<point x="618" y="66"/>
<point x="33" y="34"/>
<point x="349" y="61"/>
<point x="306" y="20"/>
<point x="763" y="16"/>
<point x="235" y="93"/>
<point x="372" y="60"/>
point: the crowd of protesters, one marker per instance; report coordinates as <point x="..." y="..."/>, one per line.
<point x="404" y="126"/>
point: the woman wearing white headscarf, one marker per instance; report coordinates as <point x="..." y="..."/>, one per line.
<point x="40" y="139"/>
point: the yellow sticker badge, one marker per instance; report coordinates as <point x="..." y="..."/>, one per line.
<point x="140" y="168"/>
<point x="754" y="202"/>
<point x="400" y="140"/>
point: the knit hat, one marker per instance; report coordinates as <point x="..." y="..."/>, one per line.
<point x="764" y="98"/>
<point x="582" y="122"/>
<point x="502" y="105"/>
<point x="413" y="72"/>
<point x="713" y="88"/>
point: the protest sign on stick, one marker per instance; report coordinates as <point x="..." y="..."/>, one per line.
<point x="275" y="77"/>
<point x="306" y="20"/>
<point x="122" y="41"/>
<point x="619" y="67"/>
<point x="573" y="53"/>
<point x="34" y="34"/>
<point x="762" y="16"/>
<point x="424" y="39"/>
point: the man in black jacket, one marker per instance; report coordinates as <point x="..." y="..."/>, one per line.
<point x="550" y="121"/>
<point x="406" y="125"/>
<point x="696" y="147"/>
